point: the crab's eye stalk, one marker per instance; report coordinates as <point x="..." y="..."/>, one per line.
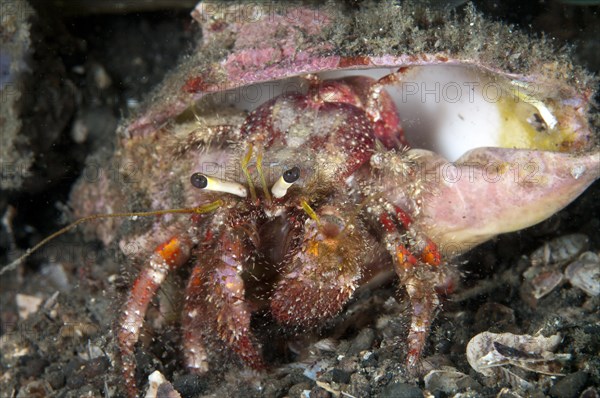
<point x="285" y="181"/>
<point x="202" y="181"/>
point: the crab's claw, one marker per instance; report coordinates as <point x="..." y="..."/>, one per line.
<point x="321" y="276"/>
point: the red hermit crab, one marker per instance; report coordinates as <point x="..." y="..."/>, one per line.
<point x="306" y="149"/>
<point x="297" y="228"/>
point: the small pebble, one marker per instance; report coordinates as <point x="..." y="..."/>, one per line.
<point x="101" y="77"/>
<point x="362" y="342"/>
<point x="585" y="273"/>
<point x="166" y="390"/>
<point x="340" y="376"/>
<point x="33" y="365"/>
<point x="368" y="358"/>
<point x="590" y="392"/>
<point x="450" y="381"/>
<point x="159" y="387"/>
<point x="79" y="131"/>
<point x="190" y="385"/>
<point x="569" y="386"/>
<point x="401" y="390"/>
<point x="35" y="389"/>
<point x="56" y="379"/>
<point x="298" y="389"/>
<point x="560" y="250"/>
<point x="318" y="392"/>
<point x="272" y="388"/>
<point x="55" y="272"/>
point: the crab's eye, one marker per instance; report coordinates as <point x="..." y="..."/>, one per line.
<point x="291" y="176"/>
<point x="201" y="181"/>
<point x="285" y="181"/>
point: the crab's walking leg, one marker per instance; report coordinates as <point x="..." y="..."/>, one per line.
<point x="421" y="281"/>
<point x="420" y="273"/>
<point x="165" y="258"/>
<point x="424" y="302"/>
<point x="194" y="320"/>
<point x="215" y="303"/>
<point x="368" y="94"/>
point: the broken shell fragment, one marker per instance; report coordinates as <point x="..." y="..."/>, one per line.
<point x="448" y="380"/>
<point x="560" y="250"/>
<point x="159" y="387"/>
<point x="547" y="261"/>
<point x="488" y="353"/>
<point x="27" y="305"/>
<point x="584" y="273"/>
<point x="542" y="281"/>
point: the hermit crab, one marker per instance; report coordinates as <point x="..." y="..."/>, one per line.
<point x="312" y="152"/>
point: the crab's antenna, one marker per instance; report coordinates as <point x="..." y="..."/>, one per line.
<point x="263" y="181"/>
<point x="309" y="210"/>
<point x="245" y="162"/>
<point x="207" y="208"/>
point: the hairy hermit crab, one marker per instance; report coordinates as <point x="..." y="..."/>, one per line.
<point x="319" y="146"/>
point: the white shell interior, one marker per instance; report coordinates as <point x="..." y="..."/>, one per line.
<point x="446" y="110"/>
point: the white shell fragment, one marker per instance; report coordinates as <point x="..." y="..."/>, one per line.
<point x="584" y="273"/>
<point x="560" y="250"/>
<point x="159" y="387"/>
<point x="547" y="264"/>
<point x="27" y="305"/>
<point x="446" y="379"/>
<point x="492" y="354"/>
<point x="542" y="280"/>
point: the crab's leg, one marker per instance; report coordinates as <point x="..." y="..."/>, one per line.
<point x="420" y="274"/>
<point x="167" y="256"/>
<point x="194" y="320"/>
<point x="420" y="285"/>
<point x="369" y="95"/>
<point x="420" y="281"/>
<point x="215" y="303"/>
<point x="393" y="220"/>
